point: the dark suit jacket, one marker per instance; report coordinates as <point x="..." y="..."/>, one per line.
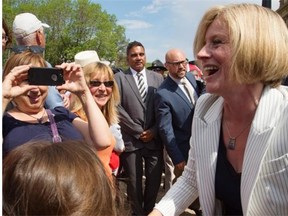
<point x="135" y="116"/>
<point x="174" y="115"/>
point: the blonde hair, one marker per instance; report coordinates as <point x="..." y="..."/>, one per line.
<point x="109" y="111"/>
<point x="258" y="38"/>
<point x="67" y="178"/>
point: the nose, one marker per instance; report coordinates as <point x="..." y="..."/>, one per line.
<point x="102" y="86"/>
<point x="204" y="52"/>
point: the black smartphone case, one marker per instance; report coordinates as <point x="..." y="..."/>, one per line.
<point x="45" y="76"/>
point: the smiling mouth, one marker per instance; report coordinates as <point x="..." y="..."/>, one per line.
<point x="210" y="70"/>
<point x="34" y="98"/>
<point x="101" y="96"/>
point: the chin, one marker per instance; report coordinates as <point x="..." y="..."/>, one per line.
<point x="101" y="103"/>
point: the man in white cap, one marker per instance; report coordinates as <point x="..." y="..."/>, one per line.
<point x="29" y="30"/>
<point x="29" y="33"/>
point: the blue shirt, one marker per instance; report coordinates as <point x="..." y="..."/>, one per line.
<point x="16" y="132"/>
<point x="54" y="98"/>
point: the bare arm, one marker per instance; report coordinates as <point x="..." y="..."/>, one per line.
<point x="96" y="131"/>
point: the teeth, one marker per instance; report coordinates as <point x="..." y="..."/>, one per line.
<point x="209" y="68"/>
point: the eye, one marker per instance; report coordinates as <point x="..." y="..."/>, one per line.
<point x="216" y="41"/>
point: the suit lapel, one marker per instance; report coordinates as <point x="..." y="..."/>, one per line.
<point x="207" y="128"/>
<point x="209" y="122"/>
<point x="150" y="82"/>
<point x="258" y="143"/>
<point x="178" y="91"/>
<point x="131" y="81"/>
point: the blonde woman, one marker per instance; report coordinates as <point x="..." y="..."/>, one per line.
<point x="100" y="79"/>
<point x="238" y="157"/>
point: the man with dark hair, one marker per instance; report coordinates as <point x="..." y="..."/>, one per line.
<point x="137" y="88"/>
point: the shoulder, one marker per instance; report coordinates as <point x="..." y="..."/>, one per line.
<point x="122" y="74"/>
<point x="63" y="113"/>
<point x="152" y="73"/>
<point x="208" y="105"/>
<point x="156" y="78"/>
<point x="168" y="84"/>
<point x="9" y="122"/>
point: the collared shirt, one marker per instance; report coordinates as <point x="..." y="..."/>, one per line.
<point x="181" y="86"/>
<point x="143" y="72"/>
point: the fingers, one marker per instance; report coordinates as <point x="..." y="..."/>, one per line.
<point x="16" y="71"/>
<point x="66" y="100"/>
<point x="70" y="66"/>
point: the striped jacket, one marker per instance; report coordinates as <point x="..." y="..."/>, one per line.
<point x="264" y="181"/>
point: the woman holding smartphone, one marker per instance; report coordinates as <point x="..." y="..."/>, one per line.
<point x="29" y="120"/>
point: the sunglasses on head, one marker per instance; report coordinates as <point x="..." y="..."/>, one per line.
<point x="97" y="83"/>
<point x="33" y="49"/>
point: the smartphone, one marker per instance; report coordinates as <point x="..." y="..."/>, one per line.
<point x="45" y="76"/>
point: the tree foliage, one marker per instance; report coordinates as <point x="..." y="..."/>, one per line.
<point x="76" y="25"/>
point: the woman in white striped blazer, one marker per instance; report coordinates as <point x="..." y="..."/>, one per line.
<point x="238" y="160"/>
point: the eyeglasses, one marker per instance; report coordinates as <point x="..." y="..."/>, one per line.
<point x="178" y="63"/>
<point x="157" y="69"/>
<point x="97" y="83"/>
<point x="34" y="49"/>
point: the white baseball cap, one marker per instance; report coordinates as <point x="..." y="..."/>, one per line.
<point x="25" y="24"/>
<point x="86" y="57"/>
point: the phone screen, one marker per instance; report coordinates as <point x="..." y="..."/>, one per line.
<point x="45" y="76"/>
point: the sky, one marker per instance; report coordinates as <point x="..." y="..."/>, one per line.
<point x="163" y="24"/>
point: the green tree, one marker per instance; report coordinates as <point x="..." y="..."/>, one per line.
<point x="76" y="25"/>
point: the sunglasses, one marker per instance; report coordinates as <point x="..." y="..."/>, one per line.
<point x="33" y="49"/>
<point x="158" y="69"/>
<point x="97" y="83"/>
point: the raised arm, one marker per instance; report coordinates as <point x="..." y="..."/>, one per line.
<point x="11" y="87"/>
<point x="96" y="131"/>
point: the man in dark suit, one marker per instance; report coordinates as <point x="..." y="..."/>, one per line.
<point x="175" y="107"/>
<point x="139" y="131"/>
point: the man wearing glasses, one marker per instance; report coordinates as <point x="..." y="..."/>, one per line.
<point x="174" y="103"/>
<point x="29" y="34"/>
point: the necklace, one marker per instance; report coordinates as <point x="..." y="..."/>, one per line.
<point x="232" y="140"/>
<point x="39" y="120"/>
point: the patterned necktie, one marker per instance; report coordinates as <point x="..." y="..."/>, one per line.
<point x="189" y="90"/>
<point x="141" y="86"/>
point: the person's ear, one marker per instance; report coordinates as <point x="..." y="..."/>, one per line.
<point x="40" y="38"/>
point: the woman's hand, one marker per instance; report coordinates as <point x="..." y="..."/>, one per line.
<point x="13" y="83"/>
<point x="74" y="78"/>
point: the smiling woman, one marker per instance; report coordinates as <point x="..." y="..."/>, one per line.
<point x="100" y="79"/>
<point x="29" y="120"/>
<point x="241" y="124"/>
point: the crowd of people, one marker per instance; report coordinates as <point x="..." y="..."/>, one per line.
<point x="218" y="129"/>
